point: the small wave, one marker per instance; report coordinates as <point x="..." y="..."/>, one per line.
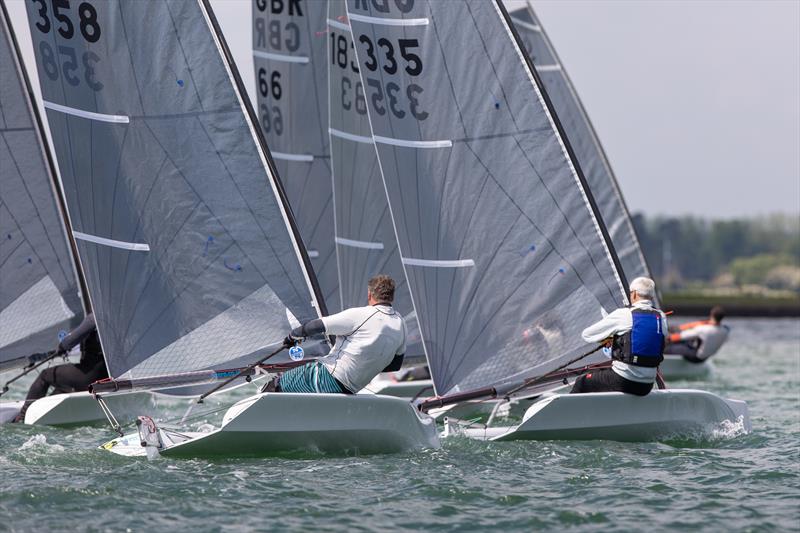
<point x="39" y="441"/>
<point x="729" y="429"/>
<point x="710" y="434"/>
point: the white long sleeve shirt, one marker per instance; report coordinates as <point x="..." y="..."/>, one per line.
<point x="367" y="339"/>
<point x="620" y="322"/>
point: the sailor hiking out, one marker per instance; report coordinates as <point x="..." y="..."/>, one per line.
<point x="68" y="377"/>
<point x="369" y="340"/>
<point x="637" y="335"/>
<point x="697" y="341"/>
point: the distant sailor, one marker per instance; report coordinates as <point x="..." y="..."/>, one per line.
<point x="637" y="335"/>
<point x="697" y="341"/>
<point x="369" y="340"/>
<point x="68" y="377"/>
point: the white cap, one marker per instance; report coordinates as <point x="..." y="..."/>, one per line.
<point x="644" y="287"/>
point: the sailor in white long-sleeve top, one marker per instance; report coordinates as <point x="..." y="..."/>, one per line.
<point x="369" y="340"/>
<point x="637" y="334"/>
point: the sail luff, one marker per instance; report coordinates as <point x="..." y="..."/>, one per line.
<point x="366" y="242"/>
<point x="42" y="297"/>
<point x="266" y="156"/>
<point x="48" y="158"/>
<point x="288" y="52"/>
<point x="567" y="147"/>
<point x="615" y="187"/>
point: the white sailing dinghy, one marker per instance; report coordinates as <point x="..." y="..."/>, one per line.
<point x="505" y="251"/>
<point x="42" y="292"/>
<point x="190" y="250"/>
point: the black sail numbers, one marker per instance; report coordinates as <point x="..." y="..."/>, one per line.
<point x="75" y="22"/>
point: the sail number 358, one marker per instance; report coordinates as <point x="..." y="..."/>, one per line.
<point x="57" y="15"/>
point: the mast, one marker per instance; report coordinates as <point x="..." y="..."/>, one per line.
<point x="255" y="129"/>
<point x="292" y="107"/>
<point x="48" y="157"/>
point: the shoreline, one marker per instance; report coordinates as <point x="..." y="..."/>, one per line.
<point x="739" y="306"/>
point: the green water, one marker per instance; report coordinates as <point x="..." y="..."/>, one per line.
<point x="55" y="479"/>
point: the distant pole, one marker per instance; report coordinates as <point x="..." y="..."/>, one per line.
<point x="666" y="259"/>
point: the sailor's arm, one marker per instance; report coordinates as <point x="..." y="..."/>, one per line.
<point x="685" y="335"/>
<point x="608" y="326"/>
<point x="74" y="337"/>
<point x="339" y="324"/>
<point x="397" y="361"/>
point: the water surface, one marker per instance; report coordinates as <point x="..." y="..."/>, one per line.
<point x="56" y="479"/>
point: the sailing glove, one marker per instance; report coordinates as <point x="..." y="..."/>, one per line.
<point x="290" y="341"/>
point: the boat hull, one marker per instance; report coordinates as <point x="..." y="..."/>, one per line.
<point x="621" y="417"/>
<point x="77" y="408"/>
<point x="675" y="367"/>
<point x="279" y="423"/>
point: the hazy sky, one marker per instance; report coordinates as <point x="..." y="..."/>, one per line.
<point x="697" y="103"/>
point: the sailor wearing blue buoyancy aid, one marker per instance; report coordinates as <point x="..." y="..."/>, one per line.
<point x="638" y="335"/>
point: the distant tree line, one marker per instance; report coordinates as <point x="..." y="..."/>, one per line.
<point x="758" y="251"/>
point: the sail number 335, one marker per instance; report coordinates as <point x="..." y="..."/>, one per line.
<point x="387" y="56"/>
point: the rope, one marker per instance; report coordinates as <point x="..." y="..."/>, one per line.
<point x="109" y="415"/>
<point x="238" y="374"/>
<point x="540" y="379"/>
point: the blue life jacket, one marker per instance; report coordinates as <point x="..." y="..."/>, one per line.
<point x="644" y="344"/>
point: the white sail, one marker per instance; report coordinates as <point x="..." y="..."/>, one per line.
<point x="190" y="251"/>
<point x="506" y="255"/>
<point x="39" y="283"/>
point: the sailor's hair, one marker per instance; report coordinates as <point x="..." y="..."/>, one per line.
<point x="644" y="287"/>
<point x="381" y="287"/>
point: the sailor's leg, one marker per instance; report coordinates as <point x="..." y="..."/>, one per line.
<point x="634" y="387"/>
<point x="606" y="380"/>
<point x="43" y="382"/>
<point x="69" y="378"/>
<point x="602" y="380"/>
<point x="38" y="389"/>
<point x="309" y="378"/>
